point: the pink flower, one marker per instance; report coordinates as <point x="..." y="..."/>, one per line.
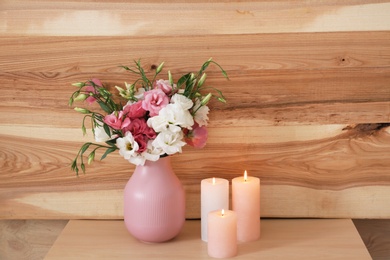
<point x="164" y="85"/>
<point x="142" y="142"/>
<point x="90" y="89"/>
<point x="117" y="121"/>
<point x="134" y="110"/>
<point x="154" y="101"/>
<point x="141" y="132"/>
<point x="197" y="137"/>
<point x="139" y="126"/>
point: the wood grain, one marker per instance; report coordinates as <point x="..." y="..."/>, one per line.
<point x="111" y="18"/>
<point x="23" y="242"/>
<point x="376" y="235"/>
<point x="308" y="100"/>
<point x="280" y="239"/>
<point x="28" y="239"/>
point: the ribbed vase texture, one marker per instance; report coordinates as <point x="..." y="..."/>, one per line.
<point x="154" y="202"/>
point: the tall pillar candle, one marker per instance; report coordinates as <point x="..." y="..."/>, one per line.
<point x="214" y="196"/>
<point x="222" y="234"/>
<point x="246" y="203"/>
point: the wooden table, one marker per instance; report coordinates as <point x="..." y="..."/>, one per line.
<point x="280" y="239"/>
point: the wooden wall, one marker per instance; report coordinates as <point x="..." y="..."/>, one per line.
<point x="308" y="101"/>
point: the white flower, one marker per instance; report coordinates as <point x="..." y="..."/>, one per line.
<point x="99" y="133"/>
<point x="140" y="93"/>
<point x="127" y="146"/>
<point x="176" y="115"/>
<point x="182" y="101"/>
<point x="201" y="114"/>
<point x="158" y="123"/>
<point x="172" y="118"/>
<point x="152" y="153"/>
<point x="169" y="142"/>
<point x="137" y="159"/>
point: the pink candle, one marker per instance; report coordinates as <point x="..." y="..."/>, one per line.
<point x="246" y="203"/>
<point x="214" y="194"/>
<point x="222" y="234"/>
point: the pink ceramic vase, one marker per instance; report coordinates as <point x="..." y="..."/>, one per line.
<point x="154" y="202"/>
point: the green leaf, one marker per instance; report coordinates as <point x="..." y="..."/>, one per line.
<point x="183" y="79"/>
<point x="205" y="65"/>
<point x="108" y="151"/>
<point x="107" y="129"/>
<point x="112" y="142"/>
<point x="84" y="148"/>
<point x="128" y="69"/>
<point x="82" y="165"/>
<point x="105" y="107"/>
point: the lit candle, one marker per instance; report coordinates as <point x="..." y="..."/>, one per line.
<point x="246" y="203"/>
<point x="222" y="234"/>
<point x="214" y="195"/>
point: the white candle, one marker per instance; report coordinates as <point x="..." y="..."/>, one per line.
<point x="222" y="234"/>
<point x="214" y="195"/>
<point x="246" y="203"/>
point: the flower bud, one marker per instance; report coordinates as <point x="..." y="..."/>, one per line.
<point x="123" y="93"/>
<point x="82" y="110"/>
<point x="221" y="99"/>
<point x="170" y="78"/>
<point x="79" y="84"/>
<point x="202" y="79"/>
<point x="91" y="157"/>
<point x="160" y="67"/>
<point x="81" y="97"/>
<point x="206" y="99"/>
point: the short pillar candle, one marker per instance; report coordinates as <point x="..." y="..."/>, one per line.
<point x="222" y="234"/>
<point x="246" y="203"/>
<point x="214" y="195"/>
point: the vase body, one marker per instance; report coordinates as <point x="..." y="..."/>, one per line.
<point x="154" y="202"/>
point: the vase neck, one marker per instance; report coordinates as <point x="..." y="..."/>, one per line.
<point x="162" y="162"/>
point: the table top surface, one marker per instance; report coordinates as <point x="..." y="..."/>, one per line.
<point x="280" y="239"/>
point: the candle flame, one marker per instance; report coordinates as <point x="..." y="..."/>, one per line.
<point x="245" y="176"/>
<point x="213" y="180"/>
<point x="222" y="212"/>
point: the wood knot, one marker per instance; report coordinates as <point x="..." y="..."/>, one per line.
<point x="153" y="67"/>
<point x="343" y="60"/>
<point x="366" y="129"/>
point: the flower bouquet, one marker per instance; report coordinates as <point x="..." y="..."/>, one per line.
<point x="153" y="117"/>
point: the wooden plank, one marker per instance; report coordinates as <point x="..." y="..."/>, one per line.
<point x="28" y="239"/>
<point x="281" y="201"/>
<point x="308" y="100"/>
<point x="104" y="18"/>
<point x="325" y="168"/>
<point x="22" y="239"/>
<point x="376" y="235"/>
<point x="280" y="239"/>
<point x="46" y="57"/>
